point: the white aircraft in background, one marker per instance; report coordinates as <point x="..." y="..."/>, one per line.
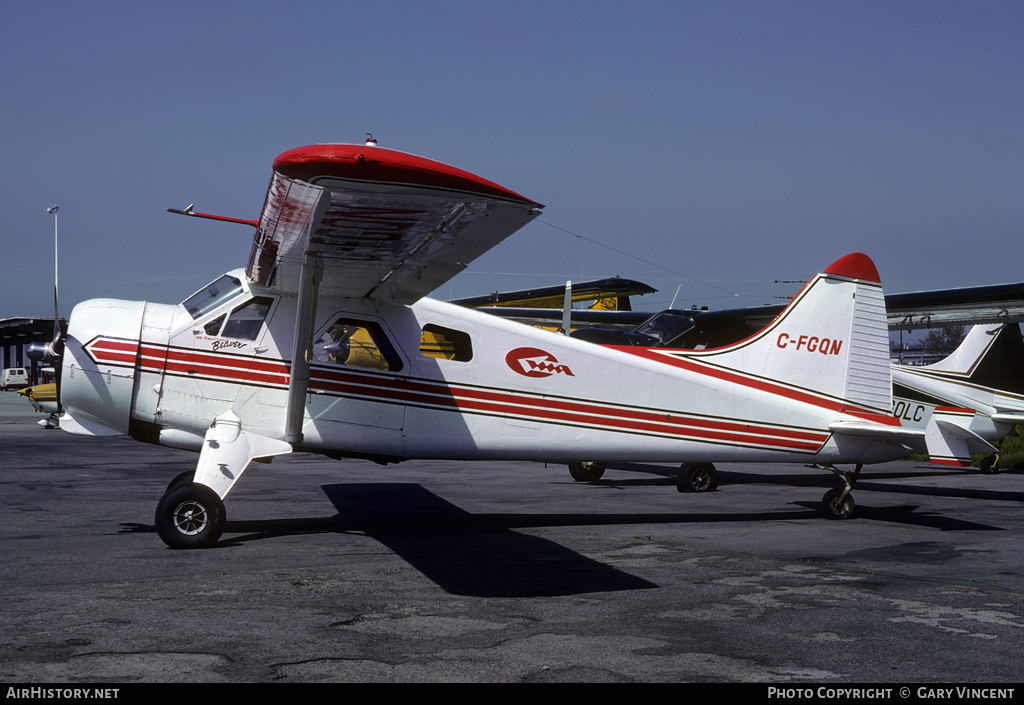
<point x="327" y="343"/>
<point x="973" y="396"/>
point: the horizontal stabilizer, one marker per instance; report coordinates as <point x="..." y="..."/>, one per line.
<point x="950" y="443"/>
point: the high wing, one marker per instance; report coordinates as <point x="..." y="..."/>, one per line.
<point x="999" y="303"/>
<point x="553" y="296"/>
<point x="376" y="223"/>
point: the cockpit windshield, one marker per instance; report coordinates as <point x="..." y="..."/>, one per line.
<point x="665" y="326"/>
<point x="212" y="295"/>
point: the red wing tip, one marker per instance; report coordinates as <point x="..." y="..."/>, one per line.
<point x="855" y="266"/>
<point x="378" y="163"/>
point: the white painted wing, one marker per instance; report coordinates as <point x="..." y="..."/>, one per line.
<point x="378" y="223"/>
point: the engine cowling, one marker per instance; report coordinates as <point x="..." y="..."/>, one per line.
<point x="98" y="366"/>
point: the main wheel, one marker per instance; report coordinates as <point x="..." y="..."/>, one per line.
<point x="586" y="471"/>
<point x="180" y="479"/>
<point x="697" y="477"/>
<point x="990" y="464"/>
<point x="190" y="516"/>
<point x="833" y="508"/>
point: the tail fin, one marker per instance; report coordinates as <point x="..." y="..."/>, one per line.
<point x="832" y="340"/>
<point x="968" y="356"/>
<point x="989" y="356"/>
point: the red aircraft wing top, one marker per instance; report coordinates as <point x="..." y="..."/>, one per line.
<point x="379" y="223"/>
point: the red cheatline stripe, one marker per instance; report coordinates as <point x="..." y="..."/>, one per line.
<point x="226" y="367"/>
<point x="764" y="385"/>
<point x="441" y="395"/>
<point x="578" y="413"/>
<point x="113" y="351"/>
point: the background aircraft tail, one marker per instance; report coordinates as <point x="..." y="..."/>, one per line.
<point x="989" y="356"/>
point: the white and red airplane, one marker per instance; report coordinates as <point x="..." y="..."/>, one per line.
<point x="973" y="396"/>
<point x="327" y="343"/>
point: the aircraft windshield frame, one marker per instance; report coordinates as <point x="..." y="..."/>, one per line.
<point x="665" y="326"/>
<point x="213" y="295"/>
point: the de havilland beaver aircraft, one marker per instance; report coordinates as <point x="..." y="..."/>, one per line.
<point x="326" y="342"/>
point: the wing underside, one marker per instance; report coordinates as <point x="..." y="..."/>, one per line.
<point x="377" y="223"/>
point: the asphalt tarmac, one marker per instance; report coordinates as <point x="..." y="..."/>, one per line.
<point x="431" y="571"/>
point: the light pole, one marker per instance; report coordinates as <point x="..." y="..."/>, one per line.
<point x="52" y="210"/>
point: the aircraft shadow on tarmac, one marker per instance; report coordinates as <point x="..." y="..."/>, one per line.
<point x="464" y="554"/>
<point x="905" y="514"/>
<point x="484" y="555"/>
<point x="651" y="474"/>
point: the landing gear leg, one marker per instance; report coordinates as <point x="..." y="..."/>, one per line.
<point x="838" y="503"/>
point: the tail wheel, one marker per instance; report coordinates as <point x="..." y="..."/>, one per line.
<point x="697" y="477"/>
<point x="190" y="516"/>
<point x="836" y="506"/>
<point x="990" y="464"/>
<point x="586" y="471"/>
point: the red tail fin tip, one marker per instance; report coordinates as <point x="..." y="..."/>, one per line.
<point x="855" y="266"/>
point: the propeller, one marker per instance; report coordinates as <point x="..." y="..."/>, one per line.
<point x="51" y="353"/>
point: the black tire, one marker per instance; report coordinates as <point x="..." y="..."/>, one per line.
<point x="990" y="464"/>
<point x="190" y="516"/>
<point x="180" y="479"/>
<point x="587" y="471"/>
<point x="834" y="509"/>
<point x="697" y="477"/>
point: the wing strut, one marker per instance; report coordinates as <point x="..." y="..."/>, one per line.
<point x="302" y="344"/>
<point x="567" y="308"/>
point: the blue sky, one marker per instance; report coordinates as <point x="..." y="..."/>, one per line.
<point x="721" y="145"/>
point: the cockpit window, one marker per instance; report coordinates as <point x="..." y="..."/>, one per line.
<point x="245" y="321"/>
<point x="212" y="296"/>
<point x="213" y="327"/>
<point x="665" y="327"/>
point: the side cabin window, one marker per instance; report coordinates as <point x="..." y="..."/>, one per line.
<point x="445" y="343"/>
<point x="212" y="295"/>
<point x="356" y="344"/>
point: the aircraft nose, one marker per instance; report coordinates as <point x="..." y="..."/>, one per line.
<point x="98" y="366"/>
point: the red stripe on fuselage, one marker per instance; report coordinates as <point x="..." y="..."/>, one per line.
<point x="444" y="396"/>
<point x="759" y="383"/>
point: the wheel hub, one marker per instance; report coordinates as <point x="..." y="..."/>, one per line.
<point x="191" y="518"/>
